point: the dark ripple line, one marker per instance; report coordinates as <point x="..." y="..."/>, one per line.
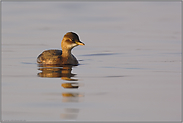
<point x="27" y="63"/>
<point x="100" y="54"/>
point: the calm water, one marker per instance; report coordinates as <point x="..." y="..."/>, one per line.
<point x="130" y="67"/>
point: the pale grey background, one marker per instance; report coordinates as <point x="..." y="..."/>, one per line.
<point x="130" y="67"/>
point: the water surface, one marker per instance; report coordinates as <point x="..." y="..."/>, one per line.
<point x="130" y="67"/>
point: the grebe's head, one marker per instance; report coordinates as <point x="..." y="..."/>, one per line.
<point x="70" y="40"/>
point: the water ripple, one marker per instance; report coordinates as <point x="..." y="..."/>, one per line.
<point x="100" y="54"/>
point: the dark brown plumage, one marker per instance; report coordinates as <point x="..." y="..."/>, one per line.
<point x="64" y="56"/>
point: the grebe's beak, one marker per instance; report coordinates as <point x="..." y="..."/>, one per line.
<point x="79" y="43"/>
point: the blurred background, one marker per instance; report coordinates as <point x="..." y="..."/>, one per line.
<point x="130" y="67"/>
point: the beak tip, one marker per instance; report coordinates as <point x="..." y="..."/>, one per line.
<point x="80" y="43"/>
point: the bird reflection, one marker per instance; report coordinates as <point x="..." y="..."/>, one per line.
<point x="72" y="95"/>
<point x="64" y="72"/>
<point x="70" y="85"/>
<point x="52" y="71"/>
<point x="69" y="113"/>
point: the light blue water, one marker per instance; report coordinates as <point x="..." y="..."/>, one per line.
<point x="130" y="67"/>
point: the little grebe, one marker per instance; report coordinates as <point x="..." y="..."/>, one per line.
<point x="64" y="56"/>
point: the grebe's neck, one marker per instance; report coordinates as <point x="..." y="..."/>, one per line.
<point x="67" y="46"/>
<point x="66" y="52"/>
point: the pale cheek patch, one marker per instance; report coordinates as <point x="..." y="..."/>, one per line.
<point x="73" y="45"/>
